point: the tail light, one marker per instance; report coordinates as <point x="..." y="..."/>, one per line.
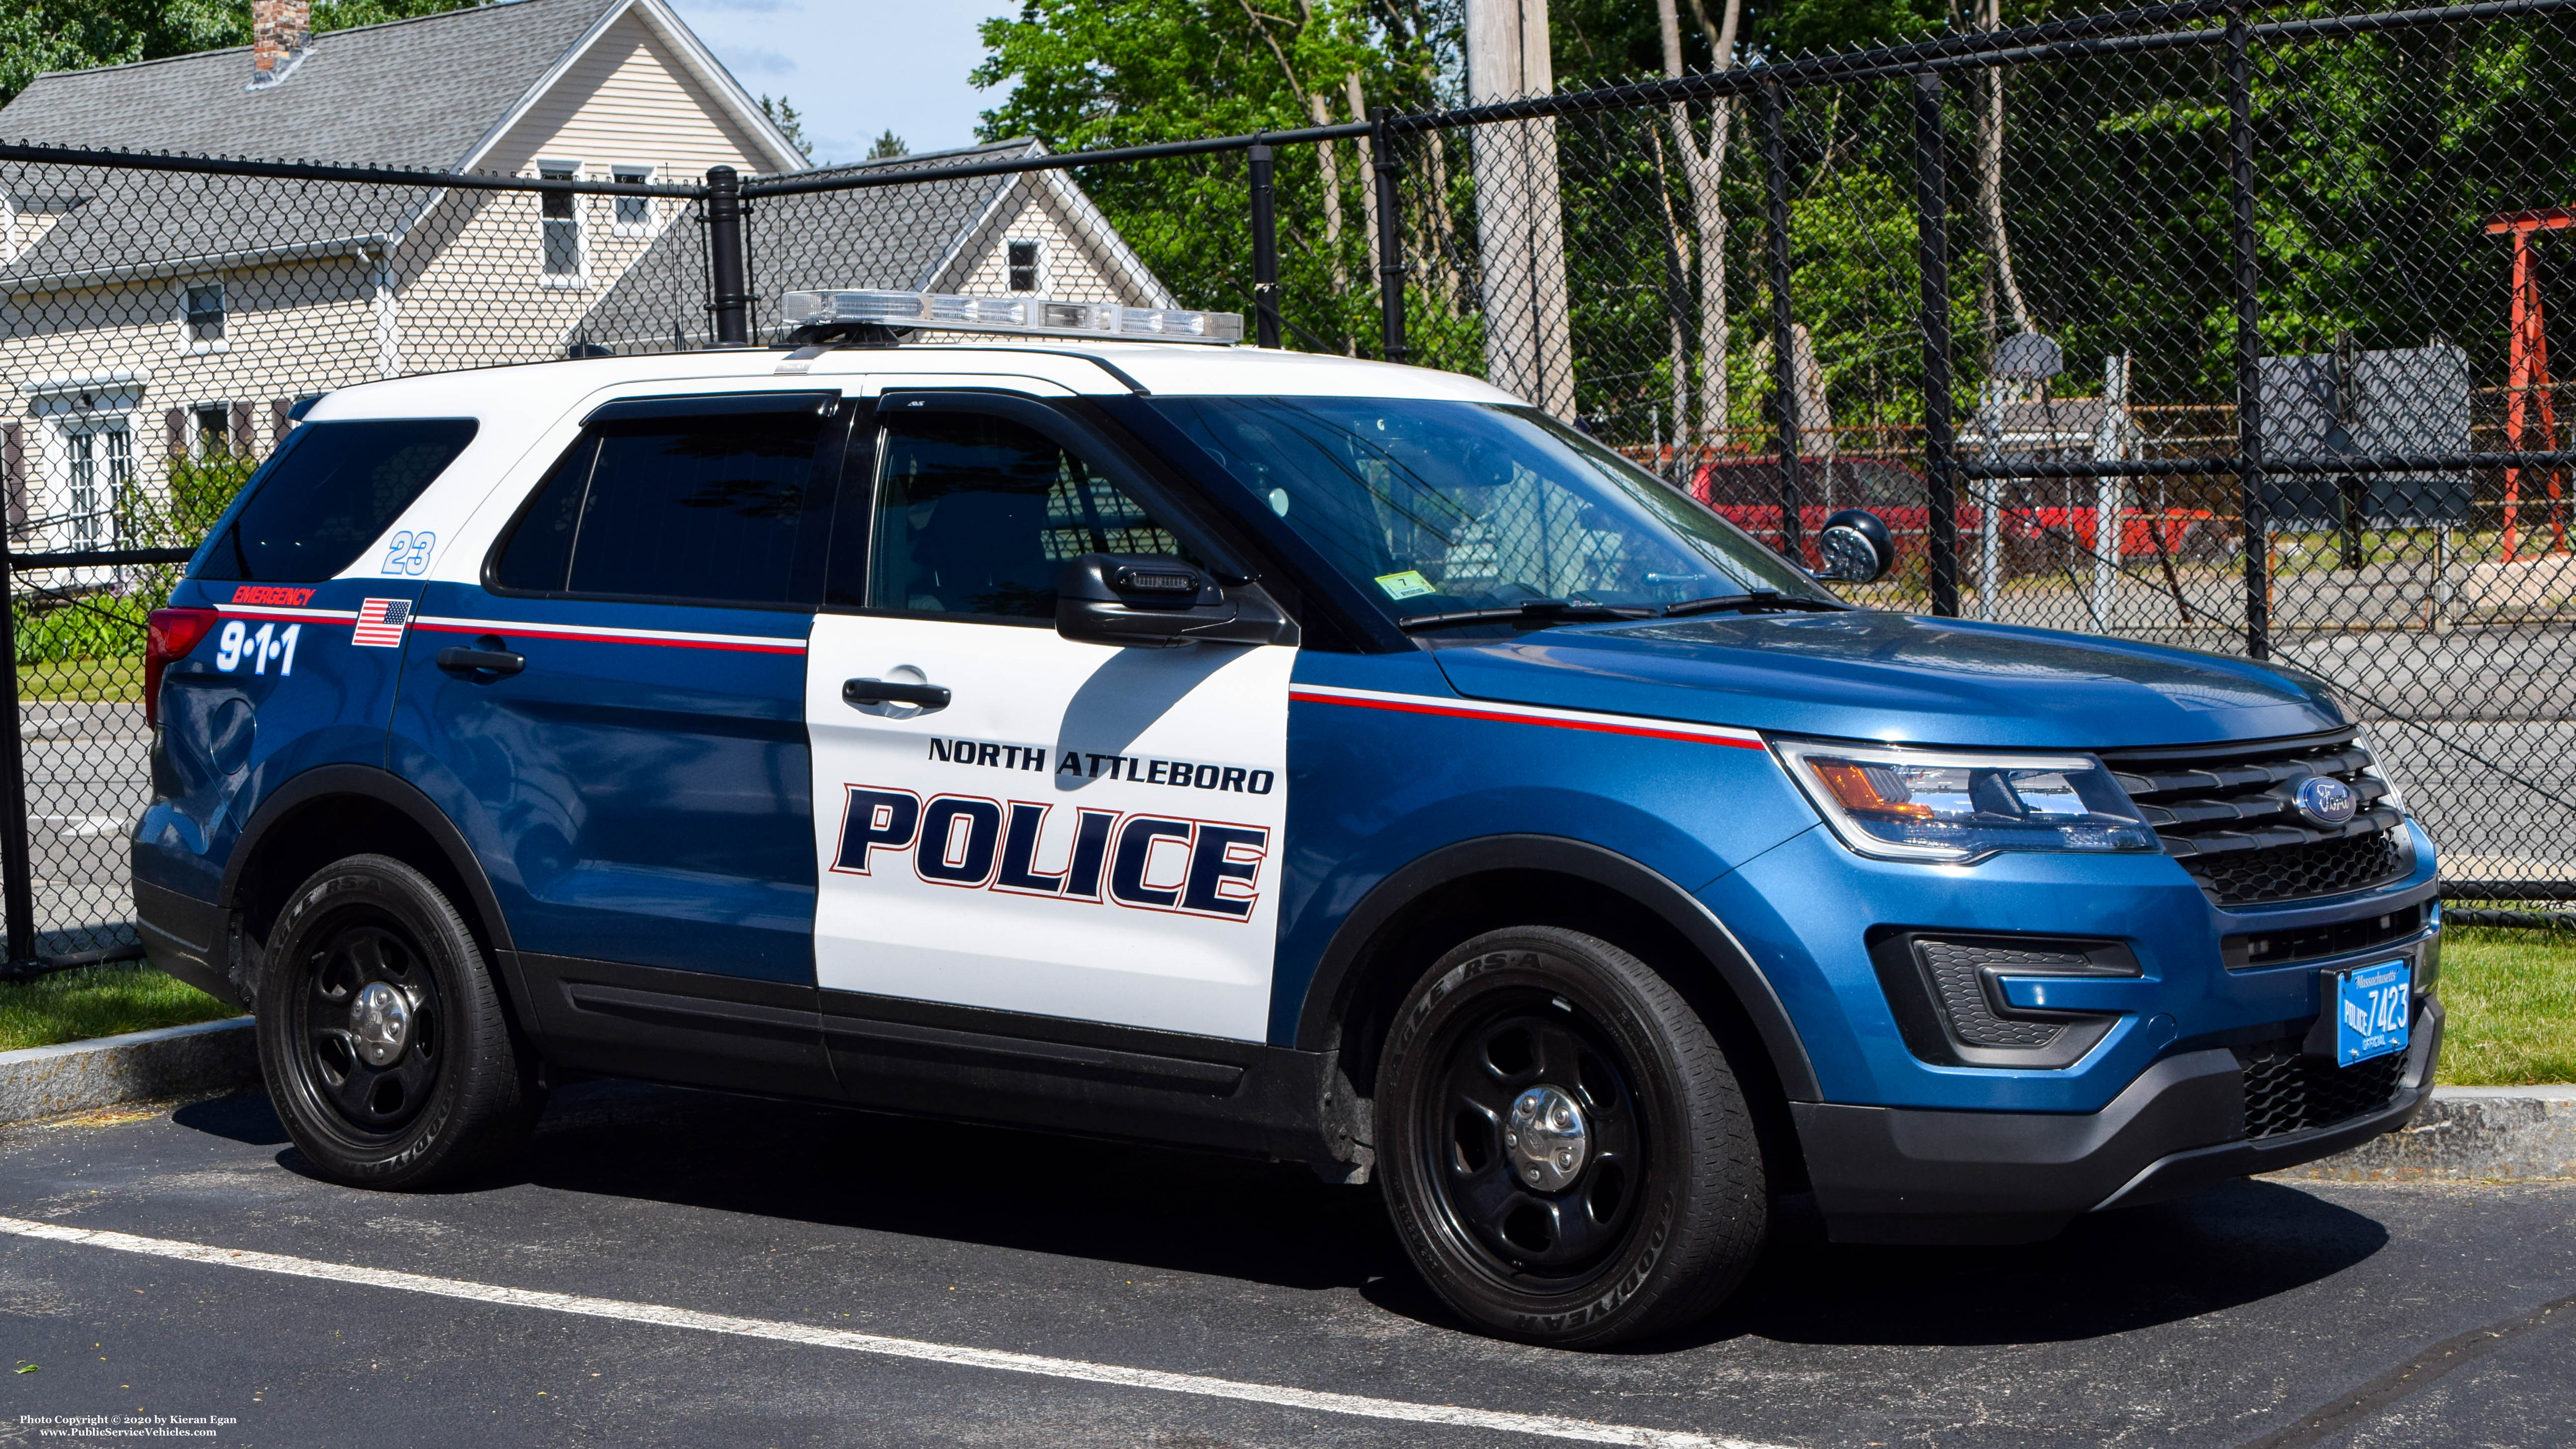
<point x="169" y="635"/>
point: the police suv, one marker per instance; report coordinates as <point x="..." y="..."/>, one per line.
<point x="1101" y="730"/>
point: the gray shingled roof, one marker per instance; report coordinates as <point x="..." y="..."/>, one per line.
<point x="454" y="77"/>
<point x="918" y="237"/>
<point x="457" y="75"/>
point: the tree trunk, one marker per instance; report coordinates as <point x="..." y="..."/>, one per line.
<point x="1990" y="179"/>
<point x="1704" y="169"/>
<point x="1368" y="172"/>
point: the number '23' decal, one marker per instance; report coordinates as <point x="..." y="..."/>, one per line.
<point x="408" y="552"/>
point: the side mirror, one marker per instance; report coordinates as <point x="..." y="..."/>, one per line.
<point x="1147" y="602"/>
<point x="1856" y="548"/>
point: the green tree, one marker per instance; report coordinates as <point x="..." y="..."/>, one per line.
<point x="790" y="123"/>
<point x="1084" y="74"/>
<point x="887" y="147"/>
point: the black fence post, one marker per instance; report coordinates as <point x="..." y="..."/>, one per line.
<point x="1784" y="353"/>
<point x="2249" y="337"/>
<point x="1932" y="248"/>
<point x="17" y="874"/>
<point x="1390" y="237"/>
<point x="728" y="286"/>
<point x="1265" y="251"/>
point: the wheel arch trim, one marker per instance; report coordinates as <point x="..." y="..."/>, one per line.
<point x="322" y="783"/>
<point x="1337" y="973"/>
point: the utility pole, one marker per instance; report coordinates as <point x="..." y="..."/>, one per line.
<point x="1520" y="215"/>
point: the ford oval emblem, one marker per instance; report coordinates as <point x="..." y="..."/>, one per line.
<point x="2326" y="800"/>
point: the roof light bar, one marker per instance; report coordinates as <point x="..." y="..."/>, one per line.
<point x="1031" y="316"/>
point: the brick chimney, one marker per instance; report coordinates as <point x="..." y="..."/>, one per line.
<point x="281" y="33"/>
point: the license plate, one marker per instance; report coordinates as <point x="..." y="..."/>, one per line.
<point x="2370" y="1006"/>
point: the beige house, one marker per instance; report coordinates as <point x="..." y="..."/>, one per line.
<point x="149" y="315"/>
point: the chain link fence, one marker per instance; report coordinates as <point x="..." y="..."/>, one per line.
<point x="2197" y="325"/>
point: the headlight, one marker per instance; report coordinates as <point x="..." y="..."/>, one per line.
<point x="2378" y="770"/>
<point x="1955" y="807"/>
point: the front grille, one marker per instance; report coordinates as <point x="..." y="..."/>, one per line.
<point x="2296" y="872"/>
<point x="2228" y="815"/>
<point x="2289" y="1091"/>
<point x="2307" y="943"/>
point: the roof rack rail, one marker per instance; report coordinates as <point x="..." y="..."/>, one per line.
<point x="868" y="318"/>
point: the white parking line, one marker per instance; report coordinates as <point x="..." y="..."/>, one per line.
<point x="1542" y="1425"/>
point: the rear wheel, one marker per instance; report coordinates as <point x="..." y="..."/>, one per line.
<point x="1566" y="1152"/>
<point x="381" y="1036"/>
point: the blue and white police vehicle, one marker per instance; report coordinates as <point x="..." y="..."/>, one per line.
<point x="1097" y="727"/>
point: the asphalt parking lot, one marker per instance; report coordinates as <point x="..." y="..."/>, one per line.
<point x="669" y="1267"/>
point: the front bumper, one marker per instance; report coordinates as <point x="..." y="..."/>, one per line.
<point x="1908" y="1175"/>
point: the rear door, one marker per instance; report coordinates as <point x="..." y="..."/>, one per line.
<point x="614" y="713"/>
<point x="1080" y="831"/>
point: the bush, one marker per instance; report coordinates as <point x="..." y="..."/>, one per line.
<point x="59" y="626"/>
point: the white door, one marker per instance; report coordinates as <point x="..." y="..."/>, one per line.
<point x="1080" y="831"/>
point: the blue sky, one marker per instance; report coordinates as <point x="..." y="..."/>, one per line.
<point x="855" y="67"/>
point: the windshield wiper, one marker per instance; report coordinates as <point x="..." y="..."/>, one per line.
<point x="1759" y="601"/>
<point x="1542" y="611"/>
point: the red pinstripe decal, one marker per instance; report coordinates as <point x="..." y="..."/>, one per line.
<point x="1454" y="711"/>
<point x="506" y="627"/>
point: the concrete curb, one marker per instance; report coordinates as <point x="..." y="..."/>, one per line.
<point x="2467" y="1134"/>
<point x="206" y="1056"/>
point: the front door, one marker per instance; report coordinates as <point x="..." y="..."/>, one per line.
<point x="1078" y="830"/>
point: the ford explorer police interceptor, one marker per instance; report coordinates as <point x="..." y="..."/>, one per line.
<point x="1343" y="763"/>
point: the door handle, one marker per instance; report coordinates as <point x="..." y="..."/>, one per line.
<point x="855" y="692"/>
<point x="494" y="660"/>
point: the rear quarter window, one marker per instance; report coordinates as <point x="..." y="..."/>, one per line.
<point x="332" y="490"/>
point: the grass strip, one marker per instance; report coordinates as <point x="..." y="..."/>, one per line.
<point x="2510" y="996"/>
<point x="94" y="1001"/>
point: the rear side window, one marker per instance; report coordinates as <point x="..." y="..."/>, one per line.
<point x="703" y="509"/>
<point x="329" y="493"/>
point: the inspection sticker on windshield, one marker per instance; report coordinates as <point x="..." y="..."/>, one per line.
<point x="1406" y="585"/>
<point x="2370" y="1011"/>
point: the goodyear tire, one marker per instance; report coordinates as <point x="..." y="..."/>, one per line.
<point x="1565" y="1149"/>
<point x="381" y="1037"/>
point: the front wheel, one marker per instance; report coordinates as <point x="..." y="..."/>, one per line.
<point x="382" y="1040"/>
<point x="1566" y="1150"/>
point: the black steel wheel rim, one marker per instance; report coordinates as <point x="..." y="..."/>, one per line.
<point x="341" y="1040"/>
<point x="1546" y="1236"/>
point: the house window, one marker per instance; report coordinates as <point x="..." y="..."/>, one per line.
<point x="634" y="213"/>
<point x="202" y="316"/>
<point x="559" y="225"/>
<point x="1024" y="266"/>
<point x="214" y="429"/>
<point x="101" y="470"/>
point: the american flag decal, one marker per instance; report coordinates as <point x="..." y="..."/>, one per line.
<point x="380" y="623"/>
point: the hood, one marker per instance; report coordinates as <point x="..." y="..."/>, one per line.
<point x="1898" y="678"/>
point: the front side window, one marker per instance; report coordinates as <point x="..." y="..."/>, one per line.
<point x="634" y="213"/>
<point x="1024" y="261"/>
<point x="697" y="509"/>
<point x="1442" y="506"/>
<point x="976" y="514"/>
<point x="559" y="226"/>
<point x="203" y="315"/>
<point x="327" y="493"/>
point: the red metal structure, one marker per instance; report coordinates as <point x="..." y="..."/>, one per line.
<point x="2527" y="384"/>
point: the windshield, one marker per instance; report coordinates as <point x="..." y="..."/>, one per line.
<point x="1445" y="506"/>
